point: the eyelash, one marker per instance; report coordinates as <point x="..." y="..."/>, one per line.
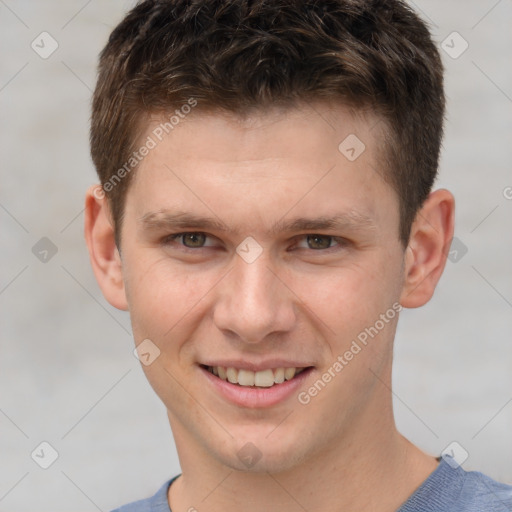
<point x="340" y="242"/>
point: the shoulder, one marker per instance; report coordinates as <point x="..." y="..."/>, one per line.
<point x="479" y="490"/>
<point x="157" y="503"/>
<point x="450" y="488"/>
<point x="136" y="506"/>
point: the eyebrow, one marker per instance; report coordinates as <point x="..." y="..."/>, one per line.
<point x="167" y="220"/>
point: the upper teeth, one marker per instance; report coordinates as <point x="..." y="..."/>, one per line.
<point x="262" y="379"/>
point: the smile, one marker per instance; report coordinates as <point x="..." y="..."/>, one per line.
<point x="257" y="388"/>
<point x="261" y="379"/>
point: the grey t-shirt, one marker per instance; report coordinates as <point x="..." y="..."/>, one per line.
<point x="449" y="488"/>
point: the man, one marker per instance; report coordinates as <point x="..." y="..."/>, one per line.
<point x="265" y="212"/>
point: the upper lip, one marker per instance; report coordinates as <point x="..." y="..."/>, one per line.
<point x="256" y="366"/>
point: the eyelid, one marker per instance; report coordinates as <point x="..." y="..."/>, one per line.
<point x="340" y="242"/>
<point x="173" y="237"/>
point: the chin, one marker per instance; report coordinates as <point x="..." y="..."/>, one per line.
<point x="259" y="454"/>
<point x="267" y="463"/>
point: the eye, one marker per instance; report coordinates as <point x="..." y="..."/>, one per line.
<point x="199" y="240"/>
<point x="190" y="240"/>
<point x="318" y="242"/>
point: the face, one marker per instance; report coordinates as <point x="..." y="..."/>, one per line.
<point x="263" y="261"/>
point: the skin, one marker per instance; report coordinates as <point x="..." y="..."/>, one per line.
<point x="341" y="451"/>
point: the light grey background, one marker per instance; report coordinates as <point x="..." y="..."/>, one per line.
<point x="67" y="372"/>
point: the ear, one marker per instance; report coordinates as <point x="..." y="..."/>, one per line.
<point x="103" y="253"/>
<point x="428" y="247"/>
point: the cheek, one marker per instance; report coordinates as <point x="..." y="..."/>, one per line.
<point x="165" y="307"/>
<point x="347" y="299"/>
<point x="349" y="304"/>
<point x="163" y="299"/>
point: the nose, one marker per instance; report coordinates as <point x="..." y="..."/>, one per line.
<point x="253" y="302"/>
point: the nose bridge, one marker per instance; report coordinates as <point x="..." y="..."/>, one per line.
<point x="253" y="301"/>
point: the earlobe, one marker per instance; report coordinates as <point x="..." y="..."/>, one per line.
<point x="103" y="253"/>
<point x="426" y="253"/>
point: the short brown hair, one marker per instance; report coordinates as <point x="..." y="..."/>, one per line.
<point x="240" y="55"/>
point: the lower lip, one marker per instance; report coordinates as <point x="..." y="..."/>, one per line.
<point x="254" y="397"/>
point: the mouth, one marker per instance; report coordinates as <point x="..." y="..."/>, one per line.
<point x="267" y="378"/>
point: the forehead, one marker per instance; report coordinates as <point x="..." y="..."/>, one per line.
<point x="312" y="159"/>
<point x="263" y="133"/>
